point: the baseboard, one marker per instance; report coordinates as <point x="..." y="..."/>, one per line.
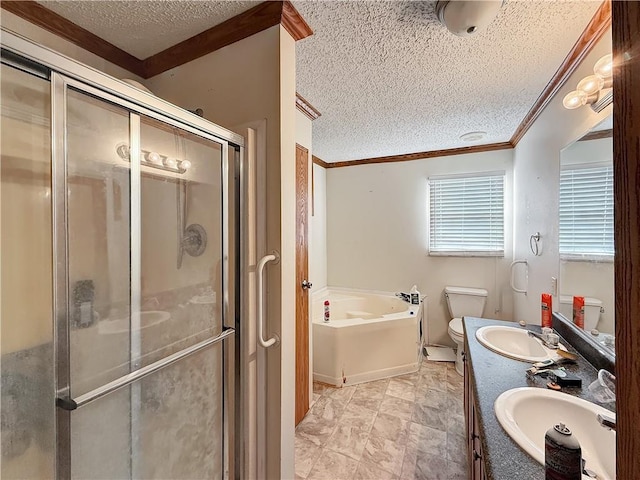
<point x="366" y="376"/>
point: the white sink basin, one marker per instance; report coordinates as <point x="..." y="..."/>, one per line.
<point x="514" y="343"/>
<point x="121" y="325"/>
<point x="527" y="413"/>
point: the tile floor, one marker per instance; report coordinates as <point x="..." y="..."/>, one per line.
<point x="407" y="427"/>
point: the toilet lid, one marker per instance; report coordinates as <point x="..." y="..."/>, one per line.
<point x="456" y="326"/>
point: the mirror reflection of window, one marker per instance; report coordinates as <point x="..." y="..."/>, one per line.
<point x="586" y="212"/>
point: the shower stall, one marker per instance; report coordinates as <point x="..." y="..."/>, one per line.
<point x="121" y="281"/>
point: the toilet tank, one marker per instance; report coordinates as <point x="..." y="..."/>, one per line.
<point x="465" y="301"/>
<point x="592" y="309"/>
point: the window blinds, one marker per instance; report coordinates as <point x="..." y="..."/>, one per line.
<point x="467" y="215"/>
<point x="586" y="211"/>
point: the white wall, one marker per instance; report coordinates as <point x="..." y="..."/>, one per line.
<point x="318" y="224"/>
<point x="287" y="195"/>
<point x="590" y="151"/>
<point x="248" y="81"/>
<point x="536" y="181"/>
<point x="317" y="215"/>
<point x="377" y="224"/>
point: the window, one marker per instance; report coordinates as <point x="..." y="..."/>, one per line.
<point x="586" y="212"/>
<point x="466" y="215"/>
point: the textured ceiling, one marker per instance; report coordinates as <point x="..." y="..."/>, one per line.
<point x="389" y="79"/>
<point x="143" y="28"/>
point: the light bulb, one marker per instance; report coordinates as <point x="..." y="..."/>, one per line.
<point x="604" y="67"/>
<point x="574" y="99"/>
<point x="185" y="164"/>
<point x="170" y="162"/>
<point x="591" y="84"/>
<point x="154" y="157"/>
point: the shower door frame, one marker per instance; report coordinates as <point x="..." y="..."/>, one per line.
<point x="60" y="85"/>
<point x="66" y="73"/>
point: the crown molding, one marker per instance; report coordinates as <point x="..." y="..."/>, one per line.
<point x="259" y="18"/>
<point x="423" y="155"/>
<point x="320" y="162"/>
<point x="35" y="13"/>
<point x="305" y="107"/>
<point x="256" y="19"/>
<point x="594" y="31"/>
<point x="293" y="22"/>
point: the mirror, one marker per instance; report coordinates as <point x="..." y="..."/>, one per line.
<point x="586" y="231"/>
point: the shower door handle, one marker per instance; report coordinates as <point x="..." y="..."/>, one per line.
<point x="274" y="257"/>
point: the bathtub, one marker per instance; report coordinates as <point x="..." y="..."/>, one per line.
<point x="370" y="335"/>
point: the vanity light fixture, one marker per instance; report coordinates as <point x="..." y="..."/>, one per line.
<point x="591" y="89"/>
<point x="155" y="160"/>
<point x="467" y="17"/>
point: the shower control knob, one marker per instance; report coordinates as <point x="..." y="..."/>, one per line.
<point x="306" y="284"/>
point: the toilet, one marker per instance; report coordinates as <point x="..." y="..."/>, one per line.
<point x="463" y="301"/>
<point x="592" y="310"/>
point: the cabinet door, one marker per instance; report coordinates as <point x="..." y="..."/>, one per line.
<point x="478" y="462"/>
<point x="468" y="411"/>
<point x="474" y="445"/>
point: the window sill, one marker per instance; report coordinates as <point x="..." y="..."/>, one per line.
<point x="465" y="254"/>
<point x="587" y="258"/>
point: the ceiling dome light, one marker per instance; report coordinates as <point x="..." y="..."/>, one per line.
<point x="574" y="99"/>
<point x="604" y="67"/>
<point x="473" y="136"/>
<point x="591" y="84"/>
<point x="467" y="17"/>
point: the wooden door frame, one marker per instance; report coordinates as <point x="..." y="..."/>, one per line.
<point x="626" y="168"/>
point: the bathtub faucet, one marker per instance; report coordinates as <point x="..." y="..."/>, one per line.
<point x="404" y="296"/>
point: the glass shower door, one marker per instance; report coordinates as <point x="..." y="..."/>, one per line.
<point x="141" y="282"/>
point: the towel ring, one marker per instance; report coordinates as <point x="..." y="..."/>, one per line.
<point x="533" y="244"/>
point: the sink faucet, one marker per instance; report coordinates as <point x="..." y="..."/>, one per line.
<point x="606" y="421"/>
<point x="544" y="339"/>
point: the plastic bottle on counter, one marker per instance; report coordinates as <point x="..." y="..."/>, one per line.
<point x="327" y="312"/>
<point x="546" y="308"/>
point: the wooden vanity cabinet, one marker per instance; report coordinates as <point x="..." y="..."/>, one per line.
<point x="475" y="460"/>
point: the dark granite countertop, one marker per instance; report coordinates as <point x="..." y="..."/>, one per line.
<point x="491" y="374"/>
